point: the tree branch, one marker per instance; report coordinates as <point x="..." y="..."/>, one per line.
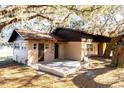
<point x="12" y="9"/>
<point x="66" y="17"/>
<point x="3" y="24"/>
<point x="92" y="8"/>
<point x="111" y="12"/>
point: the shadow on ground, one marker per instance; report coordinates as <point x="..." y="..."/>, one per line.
<point x="84" y="80"/>
<point x="101" y="59"/>
<point x="87" y="79"/>
<point x="15" y="75"/>
<point x="7" y="63"/>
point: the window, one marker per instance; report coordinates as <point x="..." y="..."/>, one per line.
<point x="89" y="47"/>
<point x="34" y="46"/>
<point x="16" y="46"/>
<point x="46" y="46"/>
<point x="23" y="46"/>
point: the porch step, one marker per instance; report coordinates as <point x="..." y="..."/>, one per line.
<point x="51" y="70"/>
<point x="58" y="72"/>
<point x="35" y="66"/>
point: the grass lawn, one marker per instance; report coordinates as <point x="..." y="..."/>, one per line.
<point x="14" y="75"/>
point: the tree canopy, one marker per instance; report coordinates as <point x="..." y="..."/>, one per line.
<point x="95" y="19"/>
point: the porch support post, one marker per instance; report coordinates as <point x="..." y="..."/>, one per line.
<point x="83" y="49"/>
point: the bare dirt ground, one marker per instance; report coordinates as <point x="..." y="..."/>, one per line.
<point x="98" y="75"/>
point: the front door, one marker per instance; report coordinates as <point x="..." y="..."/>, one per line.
<point x="56" y="50"/>
<point x="40" y="52"/>
<point x="100" y="49"/>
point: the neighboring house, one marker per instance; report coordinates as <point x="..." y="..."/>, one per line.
<point x="64" y="43"/>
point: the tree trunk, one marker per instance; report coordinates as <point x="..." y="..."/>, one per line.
<point x="109" y="48"/>
<point x="118" y="56"/>
<point x="111" y="45"/>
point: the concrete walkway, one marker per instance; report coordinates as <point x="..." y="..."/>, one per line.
<point x="60" y="67"/>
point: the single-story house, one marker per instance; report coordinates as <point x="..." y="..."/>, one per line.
<point x="63" y="43"/>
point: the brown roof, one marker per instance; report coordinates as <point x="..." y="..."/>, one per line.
<point x="68" y="34"/>
<point x="59" y="34"/>
<point x="29" y="35"/>
<point x="26" y="34"/>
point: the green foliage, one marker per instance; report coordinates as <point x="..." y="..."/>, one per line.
<point x="96" y="19"/>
